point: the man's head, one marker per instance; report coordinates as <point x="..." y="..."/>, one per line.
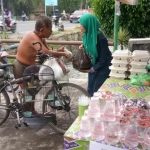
<point x="43" y="26"/>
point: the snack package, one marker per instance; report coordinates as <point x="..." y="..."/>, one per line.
<point x="141" y="79"/>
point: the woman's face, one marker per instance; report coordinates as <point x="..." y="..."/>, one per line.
<point x="82" y="29"/>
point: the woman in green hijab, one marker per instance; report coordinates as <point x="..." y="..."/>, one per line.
<point x="96" y="45"/>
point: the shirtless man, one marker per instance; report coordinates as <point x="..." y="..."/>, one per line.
<point x="26" y="52"/>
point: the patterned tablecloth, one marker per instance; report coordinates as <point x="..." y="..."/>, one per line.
<point x="127" y="89"/>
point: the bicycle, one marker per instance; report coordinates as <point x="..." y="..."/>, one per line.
<point x="62" y="98"/>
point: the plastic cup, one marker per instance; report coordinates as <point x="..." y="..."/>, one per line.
<point x="27" y="114"/>
<point x="98" y="133"/>
<point x="84" y="131"/>
<point x="83" y="103"/>
<point x="81" y="109"/>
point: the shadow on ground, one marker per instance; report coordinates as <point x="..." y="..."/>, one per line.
<point x="26" y="138"/>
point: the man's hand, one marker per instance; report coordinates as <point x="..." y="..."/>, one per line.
<point x="67" y="54"/>
<point x="85" y="71"/>
<point x="61" y="49"/>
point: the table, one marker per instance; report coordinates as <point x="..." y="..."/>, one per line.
<point x="114" y="85"/>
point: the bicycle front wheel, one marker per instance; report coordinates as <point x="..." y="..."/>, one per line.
<point x="64" y="118"/>
<point x="4" y="110"/>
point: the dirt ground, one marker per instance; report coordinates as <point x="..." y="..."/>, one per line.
<point x="26" y="138"/>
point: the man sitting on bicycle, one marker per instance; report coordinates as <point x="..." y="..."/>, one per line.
<point x="26" y="53"/>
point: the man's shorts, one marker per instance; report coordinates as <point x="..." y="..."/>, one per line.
<point x="18" y="69"/>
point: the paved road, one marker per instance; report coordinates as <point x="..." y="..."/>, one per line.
<point x="23" y="27"/>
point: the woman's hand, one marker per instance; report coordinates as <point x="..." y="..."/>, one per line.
<point x="81" y="47"/>
<point x="85" y="71"/>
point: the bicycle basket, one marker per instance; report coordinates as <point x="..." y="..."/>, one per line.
<point x="38" y="75"/>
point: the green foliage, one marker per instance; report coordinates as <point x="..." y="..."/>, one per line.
<point x="123" y="37"/>
<point x="133" y="18"/>
<point x="104" y="10"/>
<point x="4" y="35"/>
<point x="28" y="6"/>
<point x="69" y="5"/>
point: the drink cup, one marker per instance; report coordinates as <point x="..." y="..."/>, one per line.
<point x="98" y="133"/>
<point x="81" y="109"/>
<point x="84" y="131"/>
<point x="83" y="104"/>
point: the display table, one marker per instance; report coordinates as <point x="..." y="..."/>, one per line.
<point x="71" y="141"/>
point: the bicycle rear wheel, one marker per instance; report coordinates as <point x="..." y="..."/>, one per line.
<point x="64" y="119"/>
<point x="4" y="102"/>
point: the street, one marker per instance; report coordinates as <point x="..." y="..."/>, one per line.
<point x="23" y="27"/>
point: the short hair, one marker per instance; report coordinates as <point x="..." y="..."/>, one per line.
<point x="42" y="20"/>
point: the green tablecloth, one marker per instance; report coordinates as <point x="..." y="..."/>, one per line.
<point x="127" y="89"/>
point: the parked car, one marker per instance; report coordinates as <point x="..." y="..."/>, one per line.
<point x="76" y="15"/>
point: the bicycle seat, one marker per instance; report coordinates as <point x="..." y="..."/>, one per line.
<point x="3" y="66"/>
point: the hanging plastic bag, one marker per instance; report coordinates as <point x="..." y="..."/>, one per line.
<point x="59" y="68"/>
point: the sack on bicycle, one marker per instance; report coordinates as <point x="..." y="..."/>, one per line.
<point x="59" y="68"/>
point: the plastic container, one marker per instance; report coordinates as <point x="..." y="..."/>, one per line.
<point x="118" y="69"/>
<point x="83" y="103"/>
<point x="97" y="133"/>
<point x="121" y="55"/>
<point x="119" y="63"/>
<point x="139" y="65"/>
<point x="141" y="58"/>
<point x="94" y="108"/>
<point x="139" y="52"/>
<point x="117" y="75"/>
<point x="85" y="127"/>
<point x="27" y="114"/>
<point x="109" y="111"/>
<point x="137" y="71"/>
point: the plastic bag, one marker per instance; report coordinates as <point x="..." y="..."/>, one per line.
<point x="81" y="61"/>
<point x="141" y="79"/>
<point x="59" y="68"/>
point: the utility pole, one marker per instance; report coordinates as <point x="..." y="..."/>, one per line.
<point x="116" y="27"/>
<point x="2" y="9"/>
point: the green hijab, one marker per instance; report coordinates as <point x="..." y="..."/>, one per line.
<point x="91" y="24"/>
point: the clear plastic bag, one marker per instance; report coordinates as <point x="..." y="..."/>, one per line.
<point x="59" y="68"/>
<point x="141" y="79"/>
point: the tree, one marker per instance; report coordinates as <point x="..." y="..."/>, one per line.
<point x="69" y="5"/>
<point x="29" y="6"/>
<point x="135" y="19"/>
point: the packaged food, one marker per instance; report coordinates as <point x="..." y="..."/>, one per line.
<point x="139" y="65"/>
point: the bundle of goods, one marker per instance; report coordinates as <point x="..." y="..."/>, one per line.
<point x="118" y="121"/>
<point x="139" y="62"/>
<point x="120" y="64"/>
